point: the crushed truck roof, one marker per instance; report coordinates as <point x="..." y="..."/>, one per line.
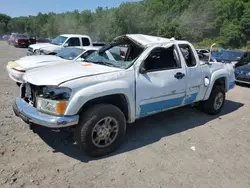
<point x="147" y="40"/>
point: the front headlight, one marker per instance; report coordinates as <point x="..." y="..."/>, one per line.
<point x="51" y="106"/>
<point x="53" y="100"/>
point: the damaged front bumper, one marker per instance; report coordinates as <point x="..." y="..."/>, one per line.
<point x="29" y="114"/>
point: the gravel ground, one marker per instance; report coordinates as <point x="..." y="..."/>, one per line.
<point x="180" y="148"/>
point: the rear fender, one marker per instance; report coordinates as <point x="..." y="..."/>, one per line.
<point x="215" y="76"/>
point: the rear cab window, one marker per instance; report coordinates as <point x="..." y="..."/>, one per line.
<point x="85" y="41"/>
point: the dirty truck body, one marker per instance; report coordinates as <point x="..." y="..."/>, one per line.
<point x="98" y="99"/>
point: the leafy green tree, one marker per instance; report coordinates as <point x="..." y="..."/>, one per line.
<point x="170" y="30"/>
<point x="231" y="35"/>
<point x="4" y="20"/>
<point x="224" y="21"/>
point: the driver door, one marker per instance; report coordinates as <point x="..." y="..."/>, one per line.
<point x="161" y="82"/>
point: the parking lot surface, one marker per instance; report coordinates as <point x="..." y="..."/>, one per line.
<point x="180" y="148"/>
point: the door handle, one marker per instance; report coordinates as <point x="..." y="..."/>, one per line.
<point x="179" y="75"/>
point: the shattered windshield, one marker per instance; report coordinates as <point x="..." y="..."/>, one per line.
<point x="120" y="56"/>
<point x="70" y="53"/>
<point x="59" y="40"/>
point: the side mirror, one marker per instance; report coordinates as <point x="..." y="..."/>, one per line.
<point x="66" y="45"/>
<point x="142" y="69"/>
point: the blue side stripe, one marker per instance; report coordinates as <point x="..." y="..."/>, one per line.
<point x="146" y="109"/>
<point x="231" y="84"/>
<point x="156" y="107"/>
<point x="191" y="99"/>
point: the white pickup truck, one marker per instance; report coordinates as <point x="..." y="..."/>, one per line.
<point x="61" y="41"/>
<point x="99" y="96"/>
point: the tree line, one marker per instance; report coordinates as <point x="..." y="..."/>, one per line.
<point x="226" y="22"/>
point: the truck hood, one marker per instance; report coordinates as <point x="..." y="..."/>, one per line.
<point x="42" y="45"/>
<point x="60" y="73"/>
<point x="31" y="61"/>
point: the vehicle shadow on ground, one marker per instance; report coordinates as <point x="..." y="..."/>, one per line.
<point x="142" y="133"/>
<point x="243" y="85"/>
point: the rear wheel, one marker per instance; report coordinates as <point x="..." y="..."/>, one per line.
<point x="215" y="102"/>
<point x="101" y="130"/>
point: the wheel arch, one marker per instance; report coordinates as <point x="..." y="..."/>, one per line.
<point x="221" y="81"/>
<point x="118" y="100"/>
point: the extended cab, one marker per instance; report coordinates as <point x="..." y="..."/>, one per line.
<point x="133" y="77"/>
<point x="61" y="41"/>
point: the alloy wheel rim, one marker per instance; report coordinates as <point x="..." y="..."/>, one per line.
<point x="105" y="132"/>
<point x="218" y="101"/>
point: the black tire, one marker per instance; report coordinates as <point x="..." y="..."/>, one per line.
<point x="208" y="105"/>
<point x="88" y="120"/>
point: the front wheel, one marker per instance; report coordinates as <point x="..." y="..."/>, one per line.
<point x="215" y="102"/>
<point x="101" y="130"/>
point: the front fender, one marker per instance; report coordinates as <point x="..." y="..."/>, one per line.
<point x="100" y="90"/>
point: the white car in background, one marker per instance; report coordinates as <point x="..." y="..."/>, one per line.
<point x="203" y="51"/>
<point x="17" y="69"/>
<point x="60" y="42"/>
